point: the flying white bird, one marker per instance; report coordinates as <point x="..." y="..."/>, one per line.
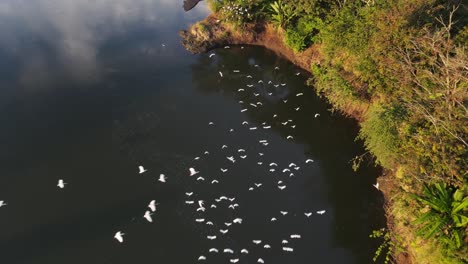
<point x="141" y="169"/>
<point x="148" y="217"/>
<point x="284" y="241"/>
<point x="227" y="47"/>
<point x="243" y="110"/>
<point x="276" y="68"/>
<point x="220" y="74"/>
<point x="213" y="250"/>
<point x="211" y="237"/>
<point x="224" y="170"/>
<point x="189" y="194"/>
<point x="249" y="76"/>
<point x="211" y="123"/>
<point x="260" y="260"/>
<point x="282" y="187"/>
<point x="211" y="55"/>
<point x="266" y="246"/>
<point x="245" y="123"/>
<point x="288" y="249"/>
<point x="236" y="71"/>
<point x="316" y="115"/>
<point x="251" y="189"/>
<point x="209" y="223"/>
<point x="376" y="186"/>
<point x="297" y="108"/>
<point x="200" y="220"/>
<point x="258" y="184"/>
<point x="299" y="94"/>
<point x="202" y="258"/>
<point x="308" y="214"/>
<point x="292" y="165"/>
<point x="295" y="236"/>
<point x="273" y="219"/>
<point x="237" y="221"/>
<point x="289" y="137"/>
<point x="285" y="170"/>
<point x="234" y="260"/>
<point x="189" y="202"/>
<point x="162" y="178"/>
<point x="193" y="171"/>
<point x="243" y="157"/>
<point x="119" y="236"/>
<point x="231" y="158"/>
<point x="283" y="212"/>
<point x="228" y="250"/>
<point x="228" y="224"/>
<point x="253" y="128"/>
<point x="223" y="146"/>
<point x="240" y="90"/>
<point x="297" y="74"/>
<point x="152" y="205"/>
<point x="257" y="242"/>
<point x="309" y="161"/>
<point x="321" y="212"/>
<point x="224" y="231"/>
<point x="214" y="181"/>
<point x="2" y="203"/>
<point x="200" y="179"/>
<point x="61" y="184"/>
<point x="244" y="251"/>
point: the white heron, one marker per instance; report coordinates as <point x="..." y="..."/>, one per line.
<point x="162" y="178"/>
<point x="224" y="170"/>
<point x="237" y="221"/>
<point x="234" y="260"/>
<point x="258" y="184"/>
<point x="119" y="236"/>
<point x="267" y="246"/>
<point x="224" y="231"/>
<point x="152" y="205"/>
<point x="148" y="217"/>
<point x="2" y="203"/>
<point x="308" y="214"/>
<point x="256" y="242"/>
<point x="282" y="187"/>
<point x="309" y="161"/>
<point x="316" y="115"/>
<point x="244" y="251"/>
<point x="376" y="186"/>
<point x="220" y="74"/>
<point x="260" y="260"/>
<point x="213" y="250"/>
<point x="321" y="212"/>
<point x="189" y="194"/>
<point x="214" y="181"/>
<point x="243" y="110"/>
<point x="284" y="212"/>
<point x="288" y="249"/>
<point x="200" y="220"/>
<point x="231" y="158"/>
<point x="289" y="137"/>
<point x="273" y="219"/>
<point x="202" y="258"/>
<point x="284" y="242"/>
<point x="61" y="184"/>
<point x="193" y="171"/>
<point x="211" y="237"/>
<point x="141" y="169"/>
<point x="211" y="55"/>
<point x="299" y="94"/>
<point x="243" y="157"/>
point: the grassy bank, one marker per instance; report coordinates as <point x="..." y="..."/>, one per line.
<point x="400" y="68"/>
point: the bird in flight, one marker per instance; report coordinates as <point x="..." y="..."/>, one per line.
<point x="190" y="4"/>
<point x="2" y="203"/>
<point x="119" y="236"/>
<point x="142" y="169"/>
<point x="61" y="184"/>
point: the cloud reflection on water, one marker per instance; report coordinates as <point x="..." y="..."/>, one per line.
<point x="46" y="39"/>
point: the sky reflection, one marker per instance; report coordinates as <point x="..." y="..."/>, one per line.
<point x="43" y="39"/>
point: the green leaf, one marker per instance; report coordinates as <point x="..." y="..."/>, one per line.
<point x="460" y="206"/>
<point x="458" y="195"/>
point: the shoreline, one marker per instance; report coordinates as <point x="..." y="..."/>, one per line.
<point x="211" y="33"/>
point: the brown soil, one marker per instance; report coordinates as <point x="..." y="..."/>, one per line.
<point x="211" y="33"/>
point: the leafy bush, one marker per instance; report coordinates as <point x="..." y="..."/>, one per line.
<point x="445" y="215"/>
<point x="301" y="36"/>
<point x="282" y="13"/>
<point x="380" y="134"/>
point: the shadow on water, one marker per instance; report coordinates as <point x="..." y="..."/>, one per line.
<point x="330" y="139"/>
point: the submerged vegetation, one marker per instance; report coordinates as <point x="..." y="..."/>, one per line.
<point x="400" y="66"/>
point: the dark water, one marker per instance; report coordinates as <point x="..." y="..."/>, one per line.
<point x="89" y="90"/>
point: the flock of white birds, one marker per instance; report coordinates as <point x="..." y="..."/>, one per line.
<point x="201" y="206"/>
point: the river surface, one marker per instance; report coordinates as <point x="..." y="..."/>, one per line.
<point x="90" y="90"/>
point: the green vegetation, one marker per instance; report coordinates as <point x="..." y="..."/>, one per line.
<point x="400" y="66"/>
